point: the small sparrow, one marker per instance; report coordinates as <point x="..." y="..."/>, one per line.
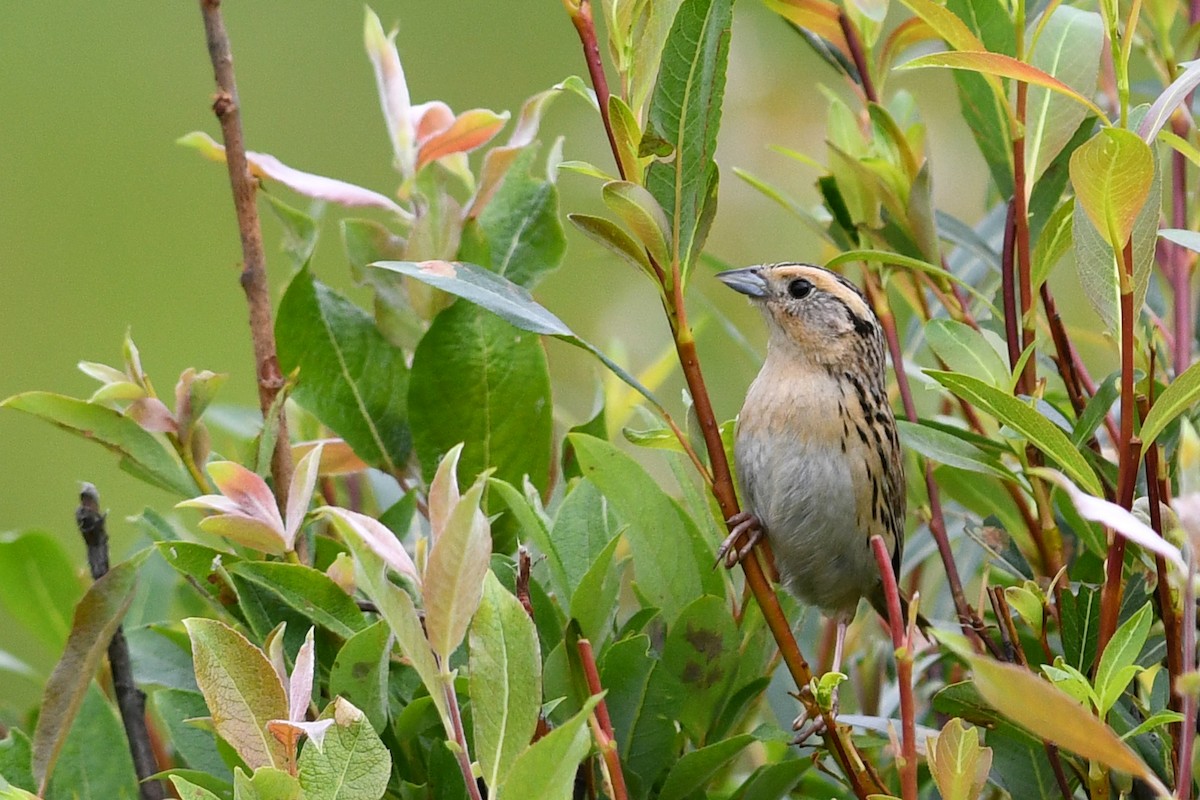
<point x="817" y="453"/>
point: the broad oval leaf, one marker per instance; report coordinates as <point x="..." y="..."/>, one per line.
<point x="39" y="586"/>
<point x="642" y="213"/>
<point x="480" y="381"/>
<point x="241" y="688"/>
<point x="1053" y="715"/>
<point x="701" y="656"/>
<point x="142" y="453"/>
<point x="351" y="377"/>
<point x="506" y="680"/>
<point x="958" y="764"/>
<point x="521" y="223"/>
<point x="1041" y="432"/>
<point x="1112" y="173"/>
<point x="352" y="762"/>
<point x="97" y="617"/>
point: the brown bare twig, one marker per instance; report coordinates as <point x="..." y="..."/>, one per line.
<point x="130" y="699"/>
<point x="254" y="269"/>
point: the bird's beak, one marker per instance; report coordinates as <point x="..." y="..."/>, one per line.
<point x="746" y="280"/>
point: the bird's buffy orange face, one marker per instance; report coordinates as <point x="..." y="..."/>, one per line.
<point x="811" y="308"/>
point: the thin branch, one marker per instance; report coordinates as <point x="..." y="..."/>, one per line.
<point x="856" y="53"/>
<point x="1021" y="250"/>
<point x="601" y="723"/>
<point x="901" y="641"/>
<point x="460" y="738"/>
<point x="254" y="269"/>
<point x="580" y="12"/>
<point x="130" y="699"/>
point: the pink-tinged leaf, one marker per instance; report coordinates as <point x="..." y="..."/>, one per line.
<point x="316" y="186"/>
<point x="393" y="91"/>
<point x="193" y="393"/>
<point x="241" y="689"/>
<point x="289" y="731"/>
<point x="430" y="119"/>
<point x="337" y="457"/>
<point x="818" y="16"/>
<point x="301" y="683"/>
<point x="454" y="575"/>
<point x="470" y="130"/>
<point x="443" y="491"/>
<point x="1117" y="518"/>
<point x="304" y="480"/>
<point x="247" y="532"/>
<point x="273" y="647"/>
<point x="1171" y="98"/>
<point x="498" y="160"/>
<point x="1002" y="66"/>
<point x="341" y="572"/>
<point x="1055" y="716"/>
<point x="249" y="491"/>
<point x="153" y="415"/>
<point x="97" y="616"/>
<point x="375" y="535"/>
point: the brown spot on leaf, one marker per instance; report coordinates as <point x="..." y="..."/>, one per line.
<point x="704" y="641"/>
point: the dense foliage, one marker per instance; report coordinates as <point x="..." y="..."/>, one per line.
<point x="407" y="580"/>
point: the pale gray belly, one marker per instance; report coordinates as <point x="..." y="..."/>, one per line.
<point x="804" y="495"/>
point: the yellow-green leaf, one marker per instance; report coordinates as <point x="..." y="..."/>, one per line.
<point x="1112" y="173"/>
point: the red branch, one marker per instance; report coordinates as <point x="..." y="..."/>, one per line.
<point x="602" y="727"/>
<point x="901" y="641"/>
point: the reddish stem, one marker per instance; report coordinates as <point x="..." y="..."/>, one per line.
<point x="581" y="18"/>
<point x="856" y="54"/>
<point x="1021" y="258"/>
<point x="460" y="738"/>
<point x="1183" y="786"/>
<point x="602" y="727"/>
<point x="1008" y="288"/>
<point x="904" y="663"/>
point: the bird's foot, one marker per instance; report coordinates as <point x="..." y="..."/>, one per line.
<point x="805" y="726"/>
<point x="744" y="524"/>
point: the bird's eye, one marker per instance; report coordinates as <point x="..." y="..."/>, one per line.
<point x="800" y="288"/>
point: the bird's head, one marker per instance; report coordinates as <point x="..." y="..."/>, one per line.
<point x="816" y="313"/>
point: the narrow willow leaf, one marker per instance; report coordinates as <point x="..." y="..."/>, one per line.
<point x="1112" y="174"/>
<point x="1053" y="243"/>
<point x="1169" y="100"/>
<point x="352" y="762"/>
<point x="609" y="235"/>
<point x="641" y="212"/>
<point x="142" y="453"/>
<point x="965" y="350"/>
<point x="97" y="617"/>
<point x="546" y="769"/>
<point x="946" y="448"/>
<point x="86" y="769"/>
<point x="1041" y="432"/>
<point x="241" y="688"/>
<point x="506" y="686"/>
<point x="1003" y="66"/>
<point x="1068" y="48"/>
<point x="685" y="111"/>
<point x="351" y="377"/>
<point x="1177" y="398"/>
<point x="507" y="300"/>
<point x="693" y="772"/>
<point x="454" y="575"/>
<point x="671" y="561"/>
<point x="1050" y="713"/>
<point x="1113" y="672"/>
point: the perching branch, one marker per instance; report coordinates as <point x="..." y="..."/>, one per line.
<point x="601" y="723"/>
<point x="130" y="699"/>
<point x="254" y="268"/>
<point x="902" y="642"/>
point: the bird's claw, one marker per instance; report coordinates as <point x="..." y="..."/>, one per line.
<point x="806" y="727"/>
<point x="744" y="524"/>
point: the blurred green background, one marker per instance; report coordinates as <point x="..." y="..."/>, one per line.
<point x="106" y="224"/>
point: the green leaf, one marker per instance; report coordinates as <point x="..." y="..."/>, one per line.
<point x="953" y="451"/>
<point x="775" y="781"/>
<point x="38" y="585"/>
<point x="195" y="745"/>
<point x="1042" y="433"/>
<point x="1155" y="720"/>
<point x="685" y="111"/>
<point x="351" y="377"/>
<point x="309" y="591"/>
<point x="1053" y="243"/>
<point x="524" y="235"/>
<point x="692" y="772"/>
<point x="241" y="688"/>
<point x="671" y="561"/>
<point x="1112" y="175"/>
<point x="1080" y="627"/>
<point x="643" y="215"/>
<point x="701" y="656"/>
<point x="1177" y="398"/>
<point x="86" y="771"/>
<point x="507" y="300"/>
<point x="454" y="576"/>
<point x="958" y="764"/>
<point x="478" y="380"/>
<point x="190" y="791"/>
<point x="546" y="769"/>
<point x="267" y="783"/>
<point x="965" y="350"/>
<point x="642" y="715"/>
<point x="1068" y="48"/>
<point x="97" y="617"/>
<point x="351" y="764"/>
<point x="613" y="237"/>
<point x="360" y="672"/>
<point x="16" y="759"/>
<point x="397" y="609"/>
<point x="506" y="686"/>
<point x="1055" y="716"/>
<point x="582" y="530"/>
<point x="594" y="603"/>
<point x="142" y="453"/>
<point x="1117" y="664"/>
<point x="300" y="231"/>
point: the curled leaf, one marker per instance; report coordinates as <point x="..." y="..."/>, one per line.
<point x="376" y="536"/>
<point x="393" y="91"/>
<point x="245" y="510"/>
